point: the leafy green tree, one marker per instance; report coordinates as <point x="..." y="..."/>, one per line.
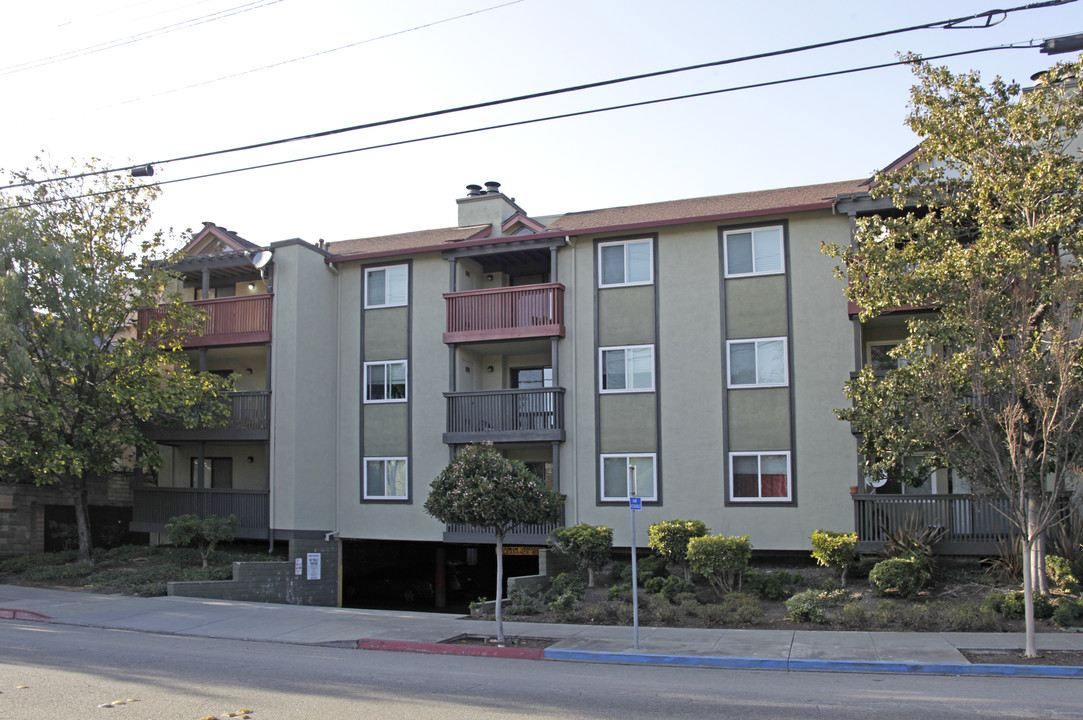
<point x="835" y="550"/>
<point x="76" y="386"/>
<point x="669" y="539"/>
<point x="483" y="488"/>
<point x="203" y="533"/>
<point x="722" y="560"/>
<point x="587" y="545"/>
<point x="986" y="233"/>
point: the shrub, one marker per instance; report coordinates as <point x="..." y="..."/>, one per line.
<point x="835" y="550"/>
<point x="647" y="568"/>
<point x="587" y="545"/>
<point x="670" y="540"/>
<point x="1059" y="570"/>
<point x="620" y="593"/>
<point x="853" y="615"/>
<point x="1007" y="564"/>
<point x="564" y="603"/>
<point x="898" y="576"/>
<point x="1066" y="540"/>
<point x="566" y="584"/>
<point x="669" y="587"/>
<point x="914" y="540"/>
<point x="808" y="606"/>
<point x="722" y="560"/>
<point x="204" y="533"/>
<point x="773" y="586"/>
<point x="1068" y="612"/>
<point x="522" y="601"/>
<point x="1013" y="605"/>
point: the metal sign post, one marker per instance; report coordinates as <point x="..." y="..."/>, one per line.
<point x="634" y="503"/>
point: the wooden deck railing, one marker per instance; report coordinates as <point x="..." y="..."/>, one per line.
<point x="154" y="506"/>
<point x="228" y="321"/>
<point x="505" y="415"/>
<point x="249" y="419"/>
<point x="505" y="313"/>
<point x="972" y="526"/>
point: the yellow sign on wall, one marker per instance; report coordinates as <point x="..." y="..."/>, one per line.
<point x="520" y="550"/>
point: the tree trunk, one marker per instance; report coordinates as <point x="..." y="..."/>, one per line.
<point x="81" y="501"/>
<point x="500" y="588"/>
<point x="1028" y="594"/>
<point x="1039" y="565"/>
<point x="590" y="577"/>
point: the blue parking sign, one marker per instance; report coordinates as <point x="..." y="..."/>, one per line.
<point x="636" y="503"/>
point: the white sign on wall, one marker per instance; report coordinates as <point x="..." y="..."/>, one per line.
<point x="314" y="566"/>
<point x="298" y="566"/>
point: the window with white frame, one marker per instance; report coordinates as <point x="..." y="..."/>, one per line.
<point x="755" y="251"/>
<point x="385" y="381"/>
<point x="628" y="262"/>
<point x="385" y="479"/>
<point x="386" y="286"/>
<point x="760" y="477"/>
<point x="758" y="362"/>
<point x="620" y="470"/>
<point x="626" y="369"/>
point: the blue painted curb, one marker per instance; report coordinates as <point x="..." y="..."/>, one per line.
<point x="862" y="666"/>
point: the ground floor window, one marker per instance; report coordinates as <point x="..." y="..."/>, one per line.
<point x="760" y="476"/>
<point x="217" y="473"/>
<point x="385" y="479"/>
<point x="617" y="469"/>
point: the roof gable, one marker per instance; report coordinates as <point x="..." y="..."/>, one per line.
<point x="214" y="240"/>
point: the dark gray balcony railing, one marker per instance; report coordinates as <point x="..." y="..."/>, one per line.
<point x="154" y="506"/>
<point x="249" y="419"/>
<point x="535" y="414"/>
<point x="519" y="535"/>
<point x="972" y="526"/>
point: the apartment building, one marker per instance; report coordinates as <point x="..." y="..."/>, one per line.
<point x="698" y="346"/>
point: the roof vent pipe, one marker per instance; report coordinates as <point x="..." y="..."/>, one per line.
<point x="473" y="190"/>
<point x="492" y="188"/>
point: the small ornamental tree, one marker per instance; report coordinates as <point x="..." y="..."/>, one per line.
<point x="587" y="545"/>
<point x="835" y="550"/>
<point x="204" y="533"/>
<point x="483" y="488"/>
<point x="722" y="560"/>
<point x="670" y="540"/>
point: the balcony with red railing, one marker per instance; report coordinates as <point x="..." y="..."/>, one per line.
<point x="228" y="321"/>
<point x="528" y="311"/>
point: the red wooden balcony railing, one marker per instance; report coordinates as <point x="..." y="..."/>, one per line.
<point x="228" y="321"/>
<point x="526" y="311"/>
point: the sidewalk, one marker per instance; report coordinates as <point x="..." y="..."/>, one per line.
<point x="925" y="653"/>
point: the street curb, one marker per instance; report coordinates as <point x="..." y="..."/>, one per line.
<point x="12" y="614"/>
<point x="431" y="648"/>
<point x="856" y="666"/>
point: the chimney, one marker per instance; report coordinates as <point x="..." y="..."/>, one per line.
<point x="486" y="207"/>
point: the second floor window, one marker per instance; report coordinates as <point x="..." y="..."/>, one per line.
<point x="754" y="252"/>
<point x="627" y="369"/>
<point x="386" y="286"/>
<point x="757" y="362"/>
<point x="385" y="381"/>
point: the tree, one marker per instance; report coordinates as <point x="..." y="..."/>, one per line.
<point x="587" y="545"/>
<point x="76" y="386"/>
<point x="985" y="234"/>
<point x="204" y="533"/>
<point x="669" y="539"/>
<point x="483" y="488"/>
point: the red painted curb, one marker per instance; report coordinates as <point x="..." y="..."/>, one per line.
<point x="11" y="614"/>
<point x="442" y="649"/>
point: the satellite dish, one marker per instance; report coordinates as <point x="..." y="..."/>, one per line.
<point x="262" y="258"/>
<point x="878" y="482"/>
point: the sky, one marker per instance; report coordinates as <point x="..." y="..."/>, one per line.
<point x="147" y="81"/>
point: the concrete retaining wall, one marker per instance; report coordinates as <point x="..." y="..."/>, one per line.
<point x="275" y="582"/>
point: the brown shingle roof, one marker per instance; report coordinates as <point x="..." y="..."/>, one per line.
<point x="405" y="241"/>
<point x="747" y="203"/>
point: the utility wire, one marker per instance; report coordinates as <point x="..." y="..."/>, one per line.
<point x="950" y="23"/>
<point x="120" y="42"/>
<point x="313" y="55"/>
<point x="518" y="123"/>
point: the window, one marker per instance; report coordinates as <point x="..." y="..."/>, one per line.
<point x="760" y="477"/>
<point x="385" y="381"/>
<point x="385" y="479"/>
<point x="758" y="363"/>
<point x="629" y="262"/>
<point x="754" y="252"/>
<point x="616" y="470"/>
<point x="217" y="473"/>
<point x="386" y="286"/>
<point x="627" y="369"/>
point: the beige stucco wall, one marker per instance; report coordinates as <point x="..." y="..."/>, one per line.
<point x="305" y="357"/>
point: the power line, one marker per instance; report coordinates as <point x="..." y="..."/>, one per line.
<point x="1018" y="46"/>
<point x="953" y="23"/>
<point x="120" y="42"/>
<point x="314" y="55"/>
